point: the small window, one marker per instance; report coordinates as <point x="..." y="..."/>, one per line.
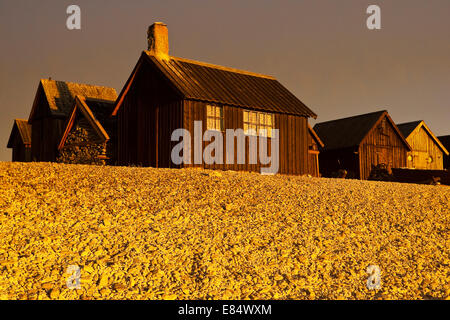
<point x="258" y="123"/>
<point x="214" y="118"/>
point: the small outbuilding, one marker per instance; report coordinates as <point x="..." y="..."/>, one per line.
<point x="360" y="143"/>
<point x="90" y="134"/>
<point x="427" y="151"/>
<point x="20" y="141"/>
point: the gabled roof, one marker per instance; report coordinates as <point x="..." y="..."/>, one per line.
<point x="351" y="132"/>
<point x="408" y="128"/>
<point x="21" y="127"/>
<point x="60" y="95"/>
<point x="200" y="81"/>
<point x="95" y="111"/>
<point x="315" y="136"/>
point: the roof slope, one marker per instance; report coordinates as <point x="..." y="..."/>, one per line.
<point x="61" y="94"/>
<point x="216" y="84"/>
<point x="346" y="132"/>
<point x="24" y="129"/>
<point x="315" y="136"/>
<point x="445" y="140"/>
<point x="407" y="128"/>
<point x="97" y="112"/>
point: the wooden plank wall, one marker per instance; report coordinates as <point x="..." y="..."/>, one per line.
<point x="379" y="145"/>
<point x="423" y="147"/>
<point x="149" y="114"/>
<point x="293" y="139"/>
<point x="46" y="132"/>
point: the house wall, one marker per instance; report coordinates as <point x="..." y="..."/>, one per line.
<point x="20" y="152"/>
<point x="293" y="143"/>
<point x="424" y="147"/>
<point x="151" y="110"/>
<point x="46" y="132"/>
<point x="382" y="145"/>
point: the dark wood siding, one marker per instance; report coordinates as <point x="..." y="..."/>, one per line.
<point x="47" y="131"/>
<point x="21" y="152"/>
<point x="293" y="139"/>
<point x="150" y="112"/>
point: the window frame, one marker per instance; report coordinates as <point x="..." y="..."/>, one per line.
<point x="250" y="123"/>
<point x="216" y="117"/>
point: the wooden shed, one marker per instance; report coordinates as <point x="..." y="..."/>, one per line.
<point x="165" y="93"/>
<point x="51" y="109"/>
<point x="427" y="151"/>
<point x="358" y="143"/>
<point x="314" y="145"/>
<point x="445" y="140"/>
<point x="20" y="141"/>
<point x="90" y="134"/>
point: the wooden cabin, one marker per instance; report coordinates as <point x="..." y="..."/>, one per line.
<point x="358" y="143"/>
<point x="165" y="93"/>
<point x="427" y="151"/>
<point x="314" y="145"/>
<point x="445" y="140"/>
<point x="51" y="109"/>
<point x="20" y="141"/>
<point x="90" y="134"/>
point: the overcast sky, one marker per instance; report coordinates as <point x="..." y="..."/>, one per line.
<point x="319" y="49"/>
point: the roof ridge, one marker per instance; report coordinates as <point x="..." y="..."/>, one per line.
<point x="351" y="117"/>
<point x="80" y="83"/>
<point x="410" y="122"/>
<point x="216" y="66"/>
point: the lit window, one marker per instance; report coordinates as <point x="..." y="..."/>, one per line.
<point x="214" y="118"/>
<point x="258" y="123"/>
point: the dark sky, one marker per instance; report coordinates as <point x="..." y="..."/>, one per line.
<point x="319" y="49"/>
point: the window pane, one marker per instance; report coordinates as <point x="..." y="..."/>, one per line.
<point x="261" y="119"/>
<point x="210" y="124"/>
<point x="252" y="117"/>
<point x="269" y="120"/>
<point x="218" y="126"/>
<point x="269" y="132"/>
<point x="245" y="116"/>
<point x="209" y="111"/>
<point x="245" y="128"/>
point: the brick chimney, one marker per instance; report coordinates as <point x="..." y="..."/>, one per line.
<point x="158" y="40"/>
